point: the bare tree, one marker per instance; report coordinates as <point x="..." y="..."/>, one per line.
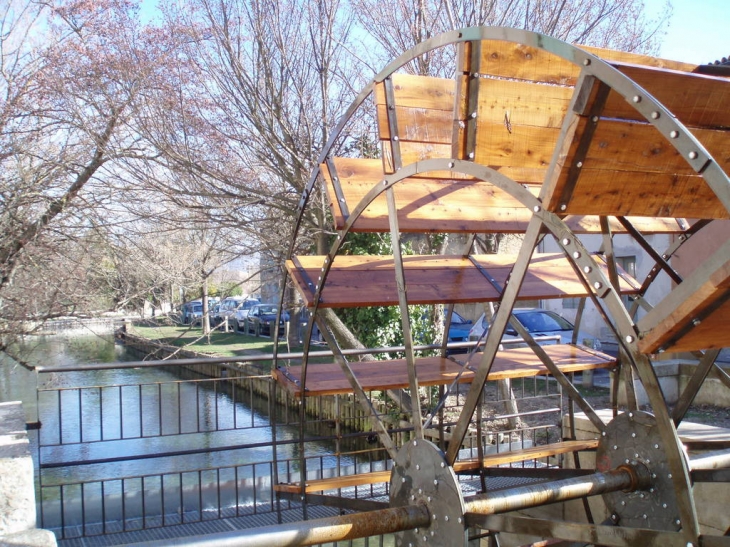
<point x="71" y="73"/>
<point x="242" y="109"/>
<point x="617" y="24"/>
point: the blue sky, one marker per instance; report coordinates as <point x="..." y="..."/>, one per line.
<point x="699" y="31"/>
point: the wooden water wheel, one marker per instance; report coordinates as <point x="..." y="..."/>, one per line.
<point x="537" y="137"/>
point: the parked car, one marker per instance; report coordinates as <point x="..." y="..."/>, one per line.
<point x="261" y="317"/>
<point x="244" y="308"/>
<point x="538" y="322"/>
<point x="459" y="331"/>
<point x="186" y="311"/>
<point x="227" y="309"/>
<point x="459" y="328"/>
<point x="195" y="315"/>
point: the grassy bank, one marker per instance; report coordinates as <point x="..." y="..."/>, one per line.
<point x="223" y="344"/>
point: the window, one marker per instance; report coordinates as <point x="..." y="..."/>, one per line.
<point x="628" y="263"/>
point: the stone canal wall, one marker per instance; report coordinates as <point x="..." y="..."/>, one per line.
<point x="17" y="490"/>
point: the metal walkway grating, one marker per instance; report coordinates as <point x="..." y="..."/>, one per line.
<point x="195" y="529"/>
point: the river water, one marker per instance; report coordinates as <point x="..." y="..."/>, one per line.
<point x="178" y="428"/>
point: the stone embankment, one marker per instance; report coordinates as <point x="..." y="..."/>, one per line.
<point x="17" y="490"/>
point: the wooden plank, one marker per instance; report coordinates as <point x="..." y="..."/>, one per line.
<point x="420" y="92"/>
<point x="521" y="146"/>
<point x="694" y="99"/>
<point x="695" y="314"/>
<point x="612" y="55"/>
<point x="334" y="483"/>
<point x="418" y="124"/>
<point x="355" y="281"/>
<point x="627" y="146"/>
<point x="377" y="477"/>
<point x="642" y="194"/>
<point x="523" y="103"/>
<point x="428" y="205"/>
<point x="518" y="61"/>
<point x="631" y="170"/>
<point x="328" y="378"/>
<point x="532" y="453"/>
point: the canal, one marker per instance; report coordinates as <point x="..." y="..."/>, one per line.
<point x="128" y="449"/>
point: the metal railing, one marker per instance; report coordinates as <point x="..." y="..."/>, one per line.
<point x="134" y="456"/>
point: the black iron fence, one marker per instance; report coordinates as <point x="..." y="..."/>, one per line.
<point x="135" y="456"/>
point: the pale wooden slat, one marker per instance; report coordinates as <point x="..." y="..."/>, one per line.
<point x="369" y="281"/>
<point x="532" y="453"/>
<point x="612" y="55"/>
<point x="694" y="99"/>
<point x="419" y="92"/>
<point x="518" y="61"/>
<point x="641" y="194"/>
<point x="328" y="378"/>
<point x="418" y="124"/>
<point x="334" y="483"/>
<point x="501" y="458"/>
<point x="428" y="205"/>
<point x="695" y="315"/>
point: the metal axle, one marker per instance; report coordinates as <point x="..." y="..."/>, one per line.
<point x="398" y="519"/>
<point x="626" y="477"/>
<point x="313" y="532"/>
